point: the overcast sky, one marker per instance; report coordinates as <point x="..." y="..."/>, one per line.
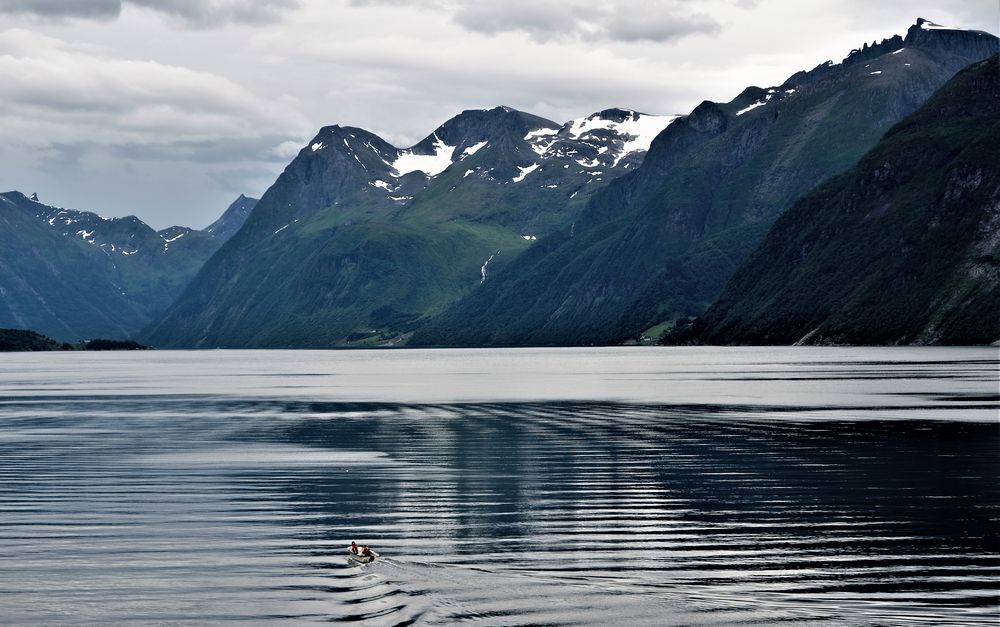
<point x="169" y="109"/>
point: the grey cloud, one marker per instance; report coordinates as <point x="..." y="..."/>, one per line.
<point x="95" y="9"/>
<point x="629" y="21"/>
<point x="662" y="27"/>
<point x="624" y="20"/>
<point x="62" y="102"/>
<point x="541" y="21"/>
<point x="161" y="186"/>
<point x="193" y="12"/>
<point x="209" y="12"/>
<point x="73" y="116"/>
<point x="224" y="150"/>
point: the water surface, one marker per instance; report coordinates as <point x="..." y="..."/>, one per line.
<point x="542" y="486"/>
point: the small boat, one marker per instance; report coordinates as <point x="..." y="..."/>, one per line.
<point x="360" y="557"/>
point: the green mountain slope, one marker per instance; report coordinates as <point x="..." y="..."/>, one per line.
<point x="660" y="242"/>
<point x="358" y="241"/>
<point x="902" y="248"/>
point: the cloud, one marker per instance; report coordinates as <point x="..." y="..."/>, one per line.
<point x="55" y="92"/>
<point x="138" y="116"/>
<point x="653" y="20"/>
<point x="72" y="113"/>
<point x="94" y="9"/>
<point x="200" y="13"/>
<point x="562" y="20"/>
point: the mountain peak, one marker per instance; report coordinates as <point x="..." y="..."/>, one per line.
<point x="929" y="25"/>
<point x="233" y="218"/>
<point x="966" y="42"/>
<point x="464" y="135"/>
<point x="473" y="126"/>
<point x="615" y="114"/>
<point x="637" y="130"/>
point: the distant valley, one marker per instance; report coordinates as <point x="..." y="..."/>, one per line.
<point x="74" y="275"/>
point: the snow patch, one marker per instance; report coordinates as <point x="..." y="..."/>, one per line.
<point x="541" y="148"/>
<point x="382" y="185"/>
<point x="640" y="128"/>
<point x="644" y="131"/>
<point x="759" y="103"/>
<point x="431" y="165"/>
<point x="875" y="72"/>
<point x="932" y="26"/>
<point x="318" y="146"/>
<point x="525" y="172"/>
<point x="898" y="51"/>
<point x="173" y="239"/>
<point x="542" y="132"/>
<point x="471" y="150"/>
<point x="482" y="270"/>
<point x="530" y="238"/>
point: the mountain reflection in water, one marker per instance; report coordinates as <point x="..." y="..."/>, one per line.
<point x="878" y="503"/>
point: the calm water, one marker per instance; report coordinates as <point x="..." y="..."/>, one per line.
<point x="653" y="486"/>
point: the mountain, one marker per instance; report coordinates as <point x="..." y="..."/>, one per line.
<point x="233" y="218"/>
<point x="358" y="240"/>
<point x="902" y="248"/>
<point x="75" y="275"/>
<point x="660" y="242"/>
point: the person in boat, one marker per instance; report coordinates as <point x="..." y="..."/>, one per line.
<point x="354" y="547"/>
<point x="366" y="551"/>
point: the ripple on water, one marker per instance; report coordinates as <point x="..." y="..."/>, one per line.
<point x="175" y="509"/>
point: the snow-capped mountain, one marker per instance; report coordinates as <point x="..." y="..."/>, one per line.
<point x="347" y="166"/>
<point x="602" y="140"/>
<point x="368" y="237"/>
<point x="129" y="235"/>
